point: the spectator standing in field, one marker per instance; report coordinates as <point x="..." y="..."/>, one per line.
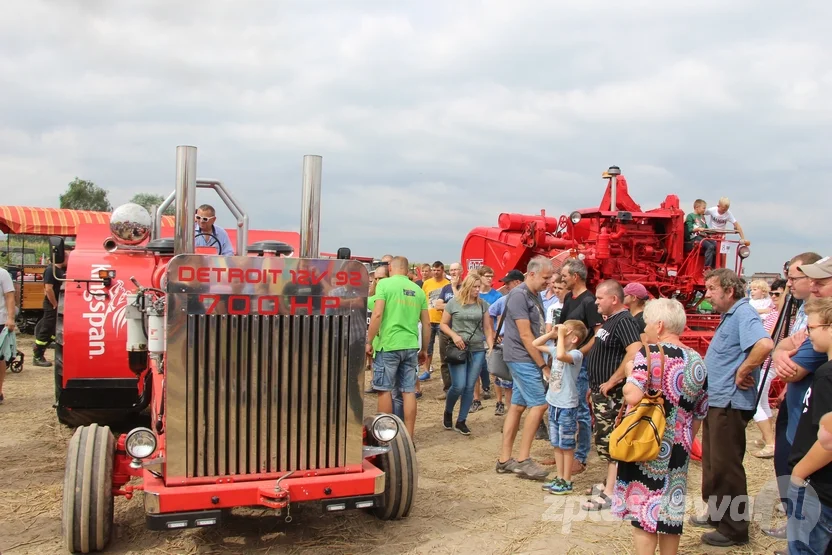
<point x="524" y="321"/>
<point x="810" y="486"/>
<point x="432" y="287"/>
<point x="466" y="323"/>
<point x="616" y="344"/>
<point x="496" y="310"/>
<point x="7" y="315"/>
<point x="447" y="293"/>
<point x="795" y="361"/>
<point x="579" y="304"/>
<point x="762" y="418"/>
<point x="555" y="306"/>
<point x="562" y="397"/>
<point x="45" y="328"/>
<point x="652" y="494"/>
<point x="740" y="344"/>
<point x="695" y="226"/>
<point x="635" y="296"/>
<point x="482" y="389"/>
<point x="399" y="307"/>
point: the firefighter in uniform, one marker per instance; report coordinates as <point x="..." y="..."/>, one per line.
<point x="45" y="328"/>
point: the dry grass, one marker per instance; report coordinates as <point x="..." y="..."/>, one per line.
<point x="462" y="507"/>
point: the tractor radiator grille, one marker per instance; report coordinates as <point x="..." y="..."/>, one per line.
<point x="266" y="393"/>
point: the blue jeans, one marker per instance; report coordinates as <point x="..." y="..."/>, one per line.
<point x="485" y="377"/>
<point x="809" y="527"/>
<point x="434" y="330"/>
<point x="396" y="370"/>
<point x="398" y="404"/>
<point x="463" y="378"/>
<point x="584" y="417"/>
<point x="563" y="425"/>
<point x="528" y="388"/>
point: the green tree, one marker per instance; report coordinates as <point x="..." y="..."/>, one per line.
<point x="85" y="195"/>
<point x="148" y="200"/>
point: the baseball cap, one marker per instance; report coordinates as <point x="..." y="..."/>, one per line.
<point x="636" y="290"/>
<point x="514" y="275"/>
<point x="821" y="269"/>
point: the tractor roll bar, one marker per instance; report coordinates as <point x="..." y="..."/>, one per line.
<point x="224" y="194"/>
<point x="310" y="210"/>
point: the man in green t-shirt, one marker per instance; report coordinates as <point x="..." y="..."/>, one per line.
<point x="399" y="307"/>
<point x="695" y="225"/>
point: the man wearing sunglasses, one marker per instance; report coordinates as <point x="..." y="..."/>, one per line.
<point x="206" y="226"/>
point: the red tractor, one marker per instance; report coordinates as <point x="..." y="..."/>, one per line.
<point x="250" y="367"/>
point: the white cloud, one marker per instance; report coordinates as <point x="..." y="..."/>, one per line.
<point x="432" y="117"/>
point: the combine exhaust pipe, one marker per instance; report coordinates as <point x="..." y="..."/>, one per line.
<point x="310" y="214"/>
<point x="185" y="191"/>
<point x="110" y="244"/>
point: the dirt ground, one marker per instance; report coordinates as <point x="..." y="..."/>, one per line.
<point x="462" y="505"/>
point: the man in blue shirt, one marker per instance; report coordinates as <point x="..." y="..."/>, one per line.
<point x="740" y="344"/>
<point x="206" y="219"/>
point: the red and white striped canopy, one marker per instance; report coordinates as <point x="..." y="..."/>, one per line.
<point x="32" y="220"/>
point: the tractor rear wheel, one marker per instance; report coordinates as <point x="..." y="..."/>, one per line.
<point x="401" y="476"/>
<point x="88" y="490"/>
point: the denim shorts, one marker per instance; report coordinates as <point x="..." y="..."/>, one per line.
<point x="528" y="384"/>
<point x="396" y="370"/>
<point x="563" y="427"/>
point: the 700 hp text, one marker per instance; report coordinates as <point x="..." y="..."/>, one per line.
<point x="266" y="305"/>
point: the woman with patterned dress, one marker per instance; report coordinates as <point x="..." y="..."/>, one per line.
<point x="652" y="494"/>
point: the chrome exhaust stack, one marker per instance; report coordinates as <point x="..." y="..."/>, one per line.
<point x="310" y="207"/>
<point x="185" y="191"/>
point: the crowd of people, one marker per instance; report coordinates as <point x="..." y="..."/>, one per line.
<point x="584" y="358"/>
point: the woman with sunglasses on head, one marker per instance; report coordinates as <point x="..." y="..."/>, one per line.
<point x="763" y="415"/>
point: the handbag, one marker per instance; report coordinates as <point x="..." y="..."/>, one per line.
<point x="496" y="365"/>
<point x="638" y="436"/>
<point x="454" y="354"/>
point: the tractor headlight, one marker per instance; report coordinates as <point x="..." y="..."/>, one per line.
<point x="140" y="443"/>
<point x="384" y="428"/>
<point x="744" y="251"/>
<point x="575" y="217"/>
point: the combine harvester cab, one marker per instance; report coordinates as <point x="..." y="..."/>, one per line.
<point x="252" y="367"/>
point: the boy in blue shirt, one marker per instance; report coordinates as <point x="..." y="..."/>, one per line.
<point x="562" y="397"/>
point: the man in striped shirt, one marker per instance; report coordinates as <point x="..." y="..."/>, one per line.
<point x="616" y="342"/>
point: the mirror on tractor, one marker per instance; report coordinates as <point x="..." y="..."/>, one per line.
<point x="344" y="253"/>
<point x="57" y="250"/>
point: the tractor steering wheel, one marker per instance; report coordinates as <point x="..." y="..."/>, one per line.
<point x="215" y="242"/>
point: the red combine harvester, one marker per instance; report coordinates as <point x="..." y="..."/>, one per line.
<point x="618" y="240"/>
<point x="250" y="366"/>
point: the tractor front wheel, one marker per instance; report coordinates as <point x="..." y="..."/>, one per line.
<point x="88" y="490"/>
<point x="401" y="476"/>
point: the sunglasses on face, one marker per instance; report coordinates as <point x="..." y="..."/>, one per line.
<point x="204" y="219"/>
<point x="776" y="293"/>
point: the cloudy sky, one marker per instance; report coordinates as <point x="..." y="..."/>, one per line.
<point x="432" y="117"/>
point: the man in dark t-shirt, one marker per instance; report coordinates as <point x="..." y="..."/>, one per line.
<point x="810" y="486"/>
<point x="579" y="304"/>
<point x="616" y="342"/>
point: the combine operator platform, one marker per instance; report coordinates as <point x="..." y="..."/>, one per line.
<point x="254" y="365"/>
